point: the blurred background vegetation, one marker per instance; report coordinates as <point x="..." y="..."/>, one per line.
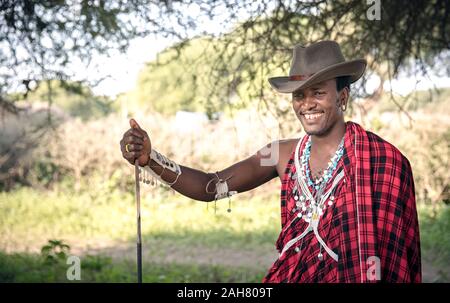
<point x="206" y="103"/>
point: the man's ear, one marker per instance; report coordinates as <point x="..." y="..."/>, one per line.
<point x="343" y="96"/>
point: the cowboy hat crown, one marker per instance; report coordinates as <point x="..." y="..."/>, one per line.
<point x="315" y="63"/>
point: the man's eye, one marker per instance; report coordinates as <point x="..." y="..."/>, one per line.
<point x="319" y="93"/>
<point x="298" y="97"/>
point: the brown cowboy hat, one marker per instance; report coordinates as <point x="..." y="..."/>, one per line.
<point x="315" y="63"/>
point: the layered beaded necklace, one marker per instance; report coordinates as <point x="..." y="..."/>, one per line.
<point x="312" y="211"/>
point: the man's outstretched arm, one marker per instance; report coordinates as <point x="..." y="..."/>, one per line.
<point x="242" y="176"/>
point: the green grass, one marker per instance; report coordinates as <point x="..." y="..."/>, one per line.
<point x="33" y="268"/>
<point x="106" y="221"/>
<point x="29" y="218"/>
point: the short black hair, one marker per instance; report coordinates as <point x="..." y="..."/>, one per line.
<point x="342" y="81"/>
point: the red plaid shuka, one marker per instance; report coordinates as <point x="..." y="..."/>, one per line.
<point x="374" y="215"/>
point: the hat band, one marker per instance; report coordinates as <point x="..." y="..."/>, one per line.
<point x="299" y="77"/>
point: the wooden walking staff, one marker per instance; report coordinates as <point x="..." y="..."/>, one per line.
<point x="134" y="124"/>
<point x="138" y="213"/>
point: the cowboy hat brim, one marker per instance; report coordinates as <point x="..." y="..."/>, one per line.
<point x="354" y="68"/>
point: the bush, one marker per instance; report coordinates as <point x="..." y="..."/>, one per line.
<point x="54" y="251"/>
<point x="434" y="229"/>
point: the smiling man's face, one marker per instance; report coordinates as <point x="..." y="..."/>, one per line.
<point x="319" y="107"/>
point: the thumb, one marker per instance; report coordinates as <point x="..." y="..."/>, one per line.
<point x="134" y="124"/>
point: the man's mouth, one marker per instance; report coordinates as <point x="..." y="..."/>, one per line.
<point x="312" y="116"/>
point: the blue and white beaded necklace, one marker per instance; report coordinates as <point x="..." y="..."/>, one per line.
<point x="328" y="172"/>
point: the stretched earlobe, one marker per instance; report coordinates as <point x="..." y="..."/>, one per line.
<point x="342" y="105"/>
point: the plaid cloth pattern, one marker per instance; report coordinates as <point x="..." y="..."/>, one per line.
<point x="373" y="218"/>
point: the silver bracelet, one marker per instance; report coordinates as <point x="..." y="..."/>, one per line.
<point x="165" y="163"/>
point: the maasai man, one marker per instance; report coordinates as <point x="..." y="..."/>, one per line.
<point x="348" y="211"/>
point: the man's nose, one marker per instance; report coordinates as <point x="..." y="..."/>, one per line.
<point x="308" y="103"/>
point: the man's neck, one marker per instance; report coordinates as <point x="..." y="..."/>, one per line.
<point x="328" y="143"/>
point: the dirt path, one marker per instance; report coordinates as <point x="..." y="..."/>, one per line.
<point x="164" y="252"/>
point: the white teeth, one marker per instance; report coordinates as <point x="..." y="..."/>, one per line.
<point x="312" y="116"/>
